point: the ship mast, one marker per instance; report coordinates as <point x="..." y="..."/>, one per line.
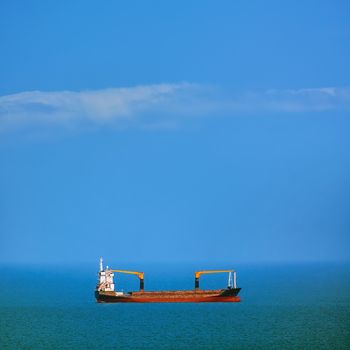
<point x="230" y="282"/>
<point x="101" y="264"/>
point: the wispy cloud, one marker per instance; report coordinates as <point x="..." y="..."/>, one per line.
<point x="97" y="106"/>
<point x="161" y="105"/>
<point x="303" y="100"/>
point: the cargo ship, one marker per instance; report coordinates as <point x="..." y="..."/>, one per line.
<point x="105" y="290"/>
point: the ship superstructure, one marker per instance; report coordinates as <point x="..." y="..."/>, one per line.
<point x="105" y="289"/>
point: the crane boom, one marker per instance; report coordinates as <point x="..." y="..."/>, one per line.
<point x="139" y="274"/>
<point x="199" y="273"/>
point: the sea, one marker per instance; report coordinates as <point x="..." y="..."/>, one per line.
<point x="283" y="306"/>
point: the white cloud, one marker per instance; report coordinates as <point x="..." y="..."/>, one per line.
<point x="156" y="105"/>
<point x="97" y="106"/>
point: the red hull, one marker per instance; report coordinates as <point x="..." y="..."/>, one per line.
<point x="210" y="296"/>
<point x="177" y="300"/>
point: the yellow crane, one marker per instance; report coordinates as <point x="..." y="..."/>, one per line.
<point x="140" y="275"/>
<point x="198" y="274"/>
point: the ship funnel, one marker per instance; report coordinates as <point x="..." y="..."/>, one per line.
<point x="101" y="264"/>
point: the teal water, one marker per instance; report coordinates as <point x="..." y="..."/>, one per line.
<point x="283" y="307"/>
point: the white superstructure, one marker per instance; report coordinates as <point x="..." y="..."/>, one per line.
<point x="105" y="279"/>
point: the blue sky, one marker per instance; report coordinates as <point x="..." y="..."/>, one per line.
<point x="174" y="131"/>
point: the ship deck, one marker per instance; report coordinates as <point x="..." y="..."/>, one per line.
<point x="176" y="292"/>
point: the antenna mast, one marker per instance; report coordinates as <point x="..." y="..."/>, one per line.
<point x="230" y="282"/>
<point x="101" y="264"/>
